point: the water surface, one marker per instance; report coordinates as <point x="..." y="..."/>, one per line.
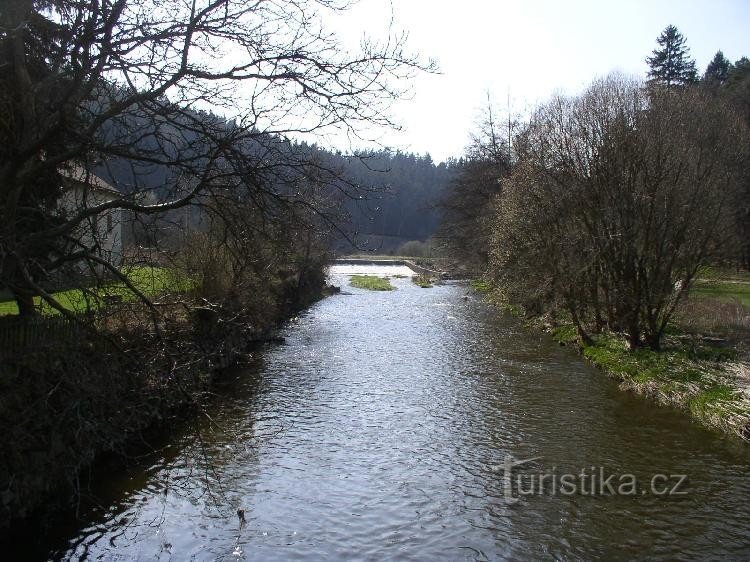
<point x="376" y="431"/>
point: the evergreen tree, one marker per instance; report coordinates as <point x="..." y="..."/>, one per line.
<point x="671" y="64"/>
<point x="738" y="72"/>
<point x="737" y="90"/>
<point x="717" y="70"/>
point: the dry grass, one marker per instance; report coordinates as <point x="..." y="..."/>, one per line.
<point x="708" y="315"/>
<point x="739" y="373"/>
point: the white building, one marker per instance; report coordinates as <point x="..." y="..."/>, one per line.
<point x="100" y="234"/>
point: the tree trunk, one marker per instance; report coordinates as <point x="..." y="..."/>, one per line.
<point x="582" y="335"/>
<point x="654" y="340"/>
<point x="634" y="335"/>
<point x="25" y="305"/>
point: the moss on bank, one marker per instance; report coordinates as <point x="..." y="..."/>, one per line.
<point x="481" y="286"/>
<point x="704" y="378"/>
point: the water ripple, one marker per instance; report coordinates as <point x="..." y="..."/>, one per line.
<point x="375" y="432"/>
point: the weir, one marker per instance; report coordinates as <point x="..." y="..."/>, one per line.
<point x="385" y="261"/>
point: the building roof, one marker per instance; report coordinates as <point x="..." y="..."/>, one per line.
<point x="81" y="175"/>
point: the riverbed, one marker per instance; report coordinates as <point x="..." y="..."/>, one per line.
<point x="412" y="425"/>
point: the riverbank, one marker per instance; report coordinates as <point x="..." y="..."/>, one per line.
<point x="711" y="382"/>
<point x="64" y="406"/>
<point x="705" y="375"/>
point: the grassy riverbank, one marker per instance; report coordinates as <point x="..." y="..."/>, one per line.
<point x="371" y="283"/>
<point x="709" y="381"/>
<point x="703" y="367"/>
<point x="149" y="280"/>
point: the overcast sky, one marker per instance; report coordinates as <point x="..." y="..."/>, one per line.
<point x="530" y="50"/>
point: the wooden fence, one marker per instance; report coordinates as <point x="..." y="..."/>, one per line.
<point x="22" y="334"/>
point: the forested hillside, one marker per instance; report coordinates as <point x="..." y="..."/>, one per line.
<point x="374" y="200"/>
<point x="400" y="196"/>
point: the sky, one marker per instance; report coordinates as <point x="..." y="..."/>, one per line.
<point x="522" y="52"/>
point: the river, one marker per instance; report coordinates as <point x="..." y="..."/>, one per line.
<point x="383" y="428"/>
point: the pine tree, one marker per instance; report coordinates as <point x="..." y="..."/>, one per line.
<point x="717" y="70"/>
<point x="671" y="64"/>
<point x="738" y="72"/>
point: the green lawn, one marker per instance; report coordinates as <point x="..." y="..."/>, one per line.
<point x="723" y="290"/>
<point x="149" y="280"/>
<point x="371" y="282"/>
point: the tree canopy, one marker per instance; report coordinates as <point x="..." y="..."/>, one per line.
<point x="618" y="197"/>
<point x="670" y="64"/>
<point x="205" y="92"/>
<point x="717" y="70"/>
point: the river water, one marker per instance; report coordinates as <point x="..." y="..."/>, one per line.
<point x="384" y="428"/>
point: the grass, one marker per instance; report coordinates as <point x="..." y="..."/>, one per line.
<point x="723" y="285"/>
<point x="490" y="292"/>
<point x="372" y="283"/>
<point x="151" y="281"/>
<point x="726" y="291"/>
<point x="481" y="286"/>
<point x="712" y="400"/>
<point x="8" y="307"/>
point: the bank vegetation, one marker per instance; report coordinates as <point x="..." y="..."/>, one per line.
<point x="602" y="219"/>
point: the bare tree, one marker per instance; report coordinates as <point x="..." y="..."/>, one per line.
<point x="466" y="208"/>
<point x="621" y="196"/>
<point x="125" y="87"/>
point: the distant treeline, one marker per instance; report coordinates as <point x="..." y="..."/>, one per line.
<point x="374" y="200"/>
<point x="401" y="195"/>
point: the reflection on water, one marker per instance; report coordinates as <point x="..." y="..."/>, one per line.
<point x="376" y="430"/>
